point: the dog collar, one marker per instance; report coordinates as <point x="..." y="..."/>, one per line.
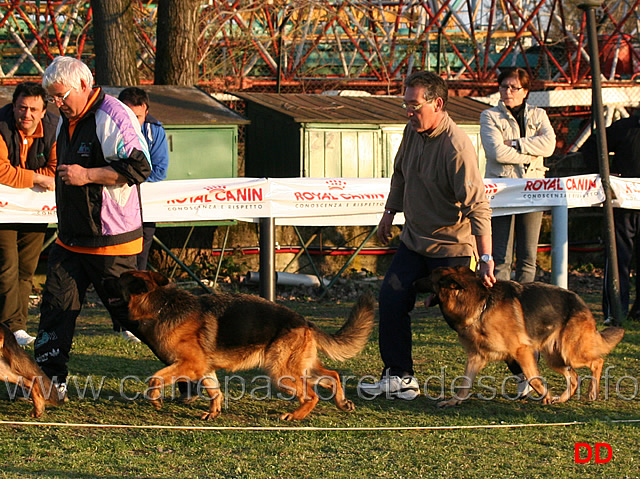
<point x="484" y="308"/>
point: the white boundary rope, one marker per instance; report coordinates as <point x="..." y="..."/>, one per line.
<point x="293" y="428"/>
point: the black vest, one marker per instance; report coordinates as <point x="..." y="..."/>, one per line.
<point x="38" y="154"/>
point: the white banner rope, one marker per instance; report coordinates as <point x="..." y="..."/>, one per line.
<point x="316" y="201"/>
<point x="304" y="428"/>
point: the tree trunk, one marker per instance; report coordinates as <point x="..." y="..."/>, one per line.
<point x="115" y="43"/>
<point x="177" y="42"/>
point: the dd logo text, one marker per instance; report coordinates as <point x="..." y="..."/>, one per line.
<point x="599" y="458"/>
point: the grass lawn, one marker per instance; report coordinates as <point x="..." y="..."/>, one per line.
<point x="377" y="440"/>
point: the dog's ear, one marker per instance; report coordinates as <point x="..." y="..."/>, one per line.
<point x="159" y="279"/>
<point x="450" y="281"/>
<point x="464" y="270"/>
<point x="134" y="284"/>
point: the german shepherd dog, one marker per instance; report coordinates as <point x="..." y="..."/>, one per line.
<point x="18" y="368"/>
<point x="196" y="335"/>
<point x="512" y="321"/>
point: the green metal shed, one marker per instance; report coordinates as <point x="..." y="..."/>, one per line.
<point x="201" y="131"/>
<point x="312" y="135"/>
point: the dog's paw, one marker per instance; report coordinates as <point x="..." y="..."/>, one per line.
<point x="209" y="415"/>
<point x="35" y="413"/>
<point x="157" y="404"/>
<point x="450" y="403"/>
<point x="287" y="416"/>
<point x="348" y="406"/>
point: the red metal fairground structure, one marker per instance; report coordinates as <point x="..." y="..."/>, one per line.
<point x="319" y="45"/>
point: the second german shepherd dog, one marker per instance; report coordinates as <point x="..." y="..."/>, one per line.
<point x="512" y="321"/>
<point x="17" y="367"/>
<point x="196" y="335"/>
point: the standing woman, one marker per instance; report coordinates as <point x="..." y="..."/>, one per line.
<point x="516" y="137"/>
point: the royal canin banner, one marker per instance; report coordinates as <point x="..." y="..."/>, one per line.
<point x="328" y="201"/>
<point x="626" y="192"/>
<point x="203" y="200"/>
<point x="509" y="195"/>
<point x="315" y="201"/>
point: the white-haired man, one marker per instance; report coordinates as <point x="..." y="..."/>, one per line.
<point x="102" y="159"/>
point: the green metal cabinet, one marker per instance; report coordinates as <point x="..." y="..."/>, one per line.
<point x="474" y="135"/>
<point x="203" y="152"/>
<point x="391" y="139"/>
<point x="331" y="152"/>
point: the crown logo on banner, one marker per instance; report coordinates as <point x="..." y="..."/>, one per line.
<point x="336" y="184"/>
<point x="491" y="188"/>
<point x="211" y="189"/>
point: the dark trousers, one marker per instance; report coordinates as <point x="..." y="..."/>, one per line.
<point x="397" y="299"/>
<point x="148" y="230"/>
<point x="627" y="230"/>
<point x="20" y="247"/>
<point x="523" y="230"/>
<point x="69" y="275"/>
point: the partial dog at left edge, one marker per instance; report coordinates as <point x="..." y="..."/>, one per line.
<point x="20" y="369"/>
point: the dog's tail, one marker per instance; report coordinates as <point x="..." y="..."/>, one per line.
<point x="352" y="337"/>
<point x="23" y="365"/>
<point x="610" y="338"/>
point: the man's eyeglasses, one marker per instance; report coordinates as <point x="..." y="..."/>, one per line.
<point x="58" y="98"/>
<point x="510" y="87"/>
<point x="414" y="108"/>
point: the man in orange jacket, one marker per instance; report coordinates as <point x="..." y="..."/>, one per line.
<point x="27" y="160"/>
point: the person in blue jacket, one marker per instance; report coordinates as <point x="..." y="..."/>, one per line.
<point x="153" y="131"/>
<point x="138" y="101"/>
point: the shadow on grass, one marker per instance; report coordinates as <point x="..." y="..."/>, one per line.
<point x="22" y="473"/>
<point x="82" y="364"/>
<point x="424" y="411"/>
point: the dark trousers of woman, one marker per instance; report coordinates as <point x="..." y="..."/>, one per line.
<point x="523" y="230"/>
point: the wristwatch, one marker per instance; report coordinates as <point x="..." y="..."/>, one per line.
<point x="485" y="258"/>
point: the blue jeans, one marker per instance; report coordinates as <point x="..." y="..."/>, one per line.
<point x="524" y="230"/>
<point x="397" y="299"/>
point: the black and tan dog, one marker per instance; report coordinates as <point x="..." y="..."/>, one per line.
<point x="17" y="367"/>
<point x="196" y="335"/>
<point x="512" y="321"/>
